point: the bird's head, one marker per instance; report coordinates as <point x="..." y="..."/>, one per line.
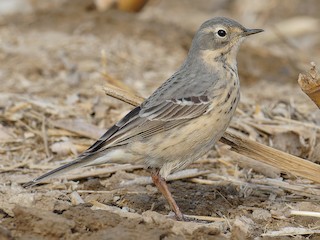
<point x="220" y="37"/>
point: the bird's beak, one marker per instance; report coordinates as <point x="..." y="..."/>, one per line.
<point x="248" y="32"/>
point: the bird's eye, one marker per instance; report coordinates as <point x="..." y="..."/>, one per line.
<point x="222" y="33"/>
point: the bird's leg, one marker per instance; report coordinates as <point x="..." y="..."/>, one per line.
<point x="161" y="184"/>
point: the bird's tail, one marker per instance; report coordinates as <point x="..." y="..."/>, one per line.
<point x="100" y="152"/>
<point x="79" y="162"/>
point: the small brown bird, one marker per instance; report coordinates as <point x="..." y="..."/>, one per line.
<point x="183" y="118"/>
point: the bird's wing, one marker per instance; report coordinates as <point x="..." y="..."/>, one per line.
<point x="144" y="122"/>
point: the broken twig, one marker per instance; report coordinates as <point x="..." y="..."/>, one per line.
<point x="310" y="84"/>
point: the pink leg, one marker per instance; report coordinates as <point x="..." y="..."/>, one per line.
<point x="163" y="188"/>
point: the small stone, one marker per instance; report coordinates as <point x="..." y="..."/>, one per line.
<point x="261" y="214"/>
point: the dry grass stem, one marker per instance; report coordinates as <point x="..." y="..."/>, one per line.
<point x="184" y="174"/>
<point x="302" y="190"/>
<point x="281" y="160"/>
<point x="104" y="171"/>
<point x="290" y="231"/>
<point x="79" y="127"/>
<point x="76" y="198"/>
<point x="123" y="95"/>
<point x="305" y="213"/>
<point x="219" y="180"/>
<point x="206" y="218"/>
<point x="45" y="136"/>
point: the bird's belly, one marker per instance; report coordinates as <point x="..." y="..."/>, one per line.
<point x="178" y="147"/>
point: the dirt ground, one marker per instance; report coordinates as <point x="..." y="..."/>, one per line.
<point x="55" y="59"/>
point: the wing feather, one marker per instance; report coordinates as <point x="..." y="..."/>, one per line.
<point x="145" y="122"/>
<point x="176" y="109"/>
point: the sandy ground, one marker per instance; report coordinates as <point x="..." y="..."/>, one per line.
<point x="55" y="59"/>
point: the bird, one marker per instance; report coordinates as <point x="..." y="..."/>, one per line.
<point x="182" y="119"/>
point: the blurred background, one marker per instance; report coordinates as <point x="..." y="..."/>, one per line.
<point x="61" y="47"/>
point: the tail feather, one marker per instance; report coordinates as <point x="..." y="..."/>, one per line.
<point x="55" y="172"/>
<point x="84" y="159"/>
<point x="96" y="154"/>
